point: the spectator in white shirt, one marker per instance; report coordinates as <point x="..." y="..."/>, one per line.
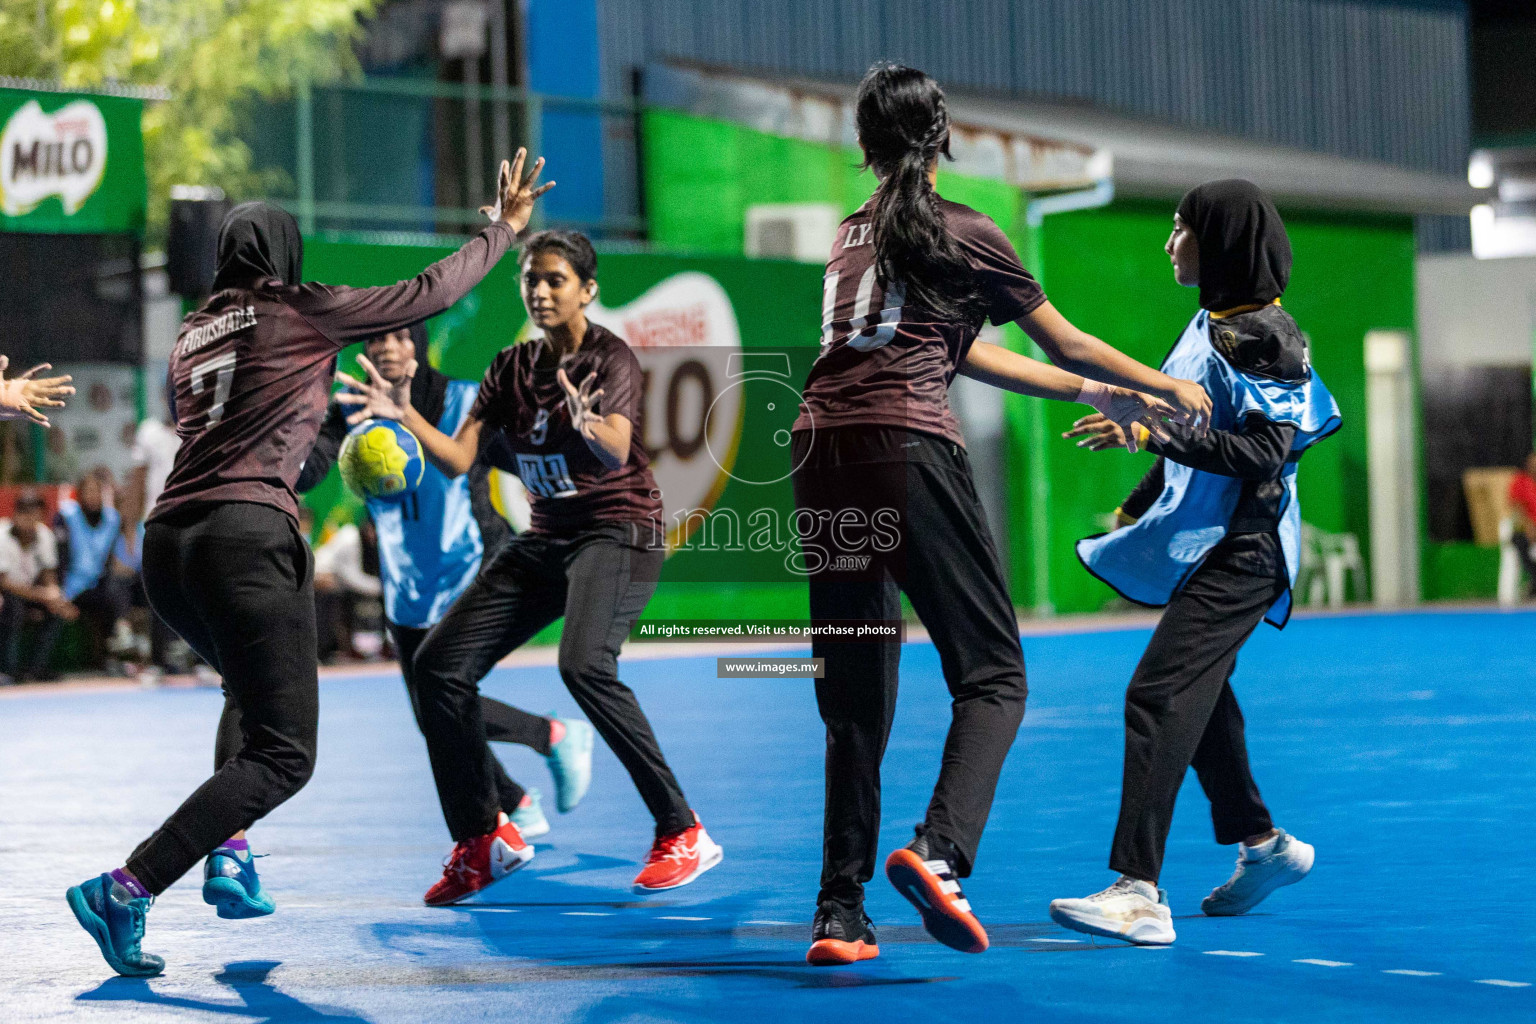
<point x="29" y="581"/>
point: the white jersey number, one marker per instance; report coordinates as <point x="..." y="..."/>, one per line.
<point x="223" y="369"/>
<point x="856" y="338"/>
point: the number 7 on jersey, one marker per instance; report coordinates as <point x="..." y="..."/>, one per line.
<point x="223" y="368"/>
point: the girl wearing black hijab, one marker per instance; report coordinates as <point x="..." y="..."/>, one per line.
<point x="223" y="562"/>
<point x="1213" y="533"/>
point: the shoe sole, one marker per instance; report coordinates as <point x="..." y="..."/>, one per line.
<point x="957" y="929"/>
<point x="1279" y="881"/>
<point x="705" y="863"/>
<point x="96" y="928"/>
<point x="517" y="866"/>
<point x="232" y="902"/>
<point x="836" y="952"/>
<point x="587" y="742"/>
<point x="1152" y="936"/>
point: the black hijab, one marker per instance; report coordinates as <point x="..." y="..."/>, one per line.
<point x="1245" y="256"/>
<point x="258" y="242"/>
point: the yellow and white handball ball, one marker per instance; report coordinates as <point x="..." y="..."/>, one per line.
<point x="381" y="460"/>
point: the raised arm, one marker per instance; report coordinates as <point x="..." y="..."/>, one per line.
<point x="348" y="314"/>
<point x="1082" y="353"/>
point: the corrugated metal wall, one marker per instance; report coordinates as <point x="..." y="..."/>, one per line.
<point x="1382" y="80"/>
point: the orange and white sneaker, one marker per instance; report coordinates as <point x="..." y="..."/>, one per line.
<point x="678" y="859"/>
<point x="928" y="880"/>
<point x="479" y="862"/>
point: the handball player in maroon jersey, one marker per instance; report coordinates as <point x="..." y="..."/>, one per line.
<point x="911" y="279"/>
<point x="224" y="564"/>
<point x="567" y="405"/>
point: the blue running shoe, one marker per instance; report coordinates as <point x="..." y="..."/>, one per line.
<point x="530" y="820"/>
<point x="231" y="885"/>
<point x="116" y="921"/>
<point x="570" y="762"/>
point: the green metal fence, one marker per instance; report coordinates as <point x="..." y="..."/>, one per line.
<point x="412" y="157"/>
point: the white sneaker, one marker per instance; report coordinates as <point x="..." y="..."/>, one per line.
<point x="1132" y="910"/>
<point x="1283" y="860"/>
<point x="530" y="820"/>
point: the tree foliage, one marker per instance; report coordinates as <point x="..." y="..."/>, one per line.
<point x="214" y="57"/>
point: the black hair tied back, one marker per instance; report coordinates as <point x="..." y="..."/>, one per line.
<point x="572" y="246"/>
<point x="903" y="127"/>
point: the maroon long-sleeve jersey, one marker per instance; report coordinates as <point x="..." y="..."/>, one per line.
<point x="252" y="370"/>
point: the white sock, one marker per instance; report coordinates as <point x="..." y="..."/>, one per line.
<point x="1146" y="889"/>
<point x="1261" y="850"/>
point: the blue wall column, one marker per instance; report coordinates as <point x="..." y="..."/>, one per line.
<point x="562" y="60"/>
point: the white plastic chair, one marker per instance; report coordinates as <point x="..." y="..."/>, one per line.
<point x="1510" y="583"/>
<point x="1341" y="557"/>
<point x="1311" y="581"/>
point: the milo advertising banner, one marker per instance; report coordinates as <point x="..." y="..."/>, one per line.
<point x="724" y="344"/>
<point x="70" y="163"/>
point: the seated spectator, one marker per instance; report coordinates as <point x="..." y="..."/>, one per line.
<point x="1522" y="509"/>
<point x="88" y="529"/>
<point x="29" y="587"/>
<point x="344" y="572"/>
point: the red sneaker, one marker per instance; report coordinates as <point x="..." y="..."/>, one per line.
<point x="678" y="859"/>
<point x="478" y="862"/>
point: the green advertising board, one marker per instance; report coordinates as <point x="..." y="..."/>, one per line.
<point x="71" y="163"/>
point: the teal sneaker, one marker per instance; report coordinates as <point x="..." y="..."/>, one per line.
<point x="530" y="820"/>
<point x="570" y="762"/>
<point x="231" y="885"/>
<point x="115" y="920"/>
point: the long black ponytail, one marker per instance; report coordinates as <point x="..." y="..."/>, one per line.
<point x="903" y="127"/>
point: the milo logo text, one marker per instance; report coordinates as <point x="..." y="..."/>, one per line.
<point x="60" y="154"/>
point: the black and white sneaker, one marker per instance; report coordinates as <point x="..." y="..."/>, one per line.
<point x="923" y="872"/>
<point x="841" y="935"/>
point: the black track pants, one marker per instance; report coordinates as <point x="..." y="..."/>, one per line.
<point x="1180" y="710"/>
<point x="235" y="581"/>
<point x="503" y="722"/>
<point x="946" y="563"/>
<point x="600" y="581"/>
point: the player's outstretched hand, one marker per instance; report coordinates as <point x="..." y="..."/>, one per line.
<point x="1099" y="432"/>
<point x="581" y="402"/>
<point x="22" y="397"/>
<point x="1126" y="408"/>
<point x="1190" y="405"/>
<point x="376" y="398"/>
<point x="515" y="194"/>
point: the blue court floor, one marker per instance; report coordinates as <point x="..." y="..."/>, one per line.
<point x="1401" y="746"/>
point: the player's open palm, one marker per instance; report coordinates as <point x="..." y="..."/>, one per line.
<point x="23" y="397"/>
<point x="1126" y="408"/>
<point x="581" y="402"/>
<point x="376" y="398"/>
<point x="515" y="194"/>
